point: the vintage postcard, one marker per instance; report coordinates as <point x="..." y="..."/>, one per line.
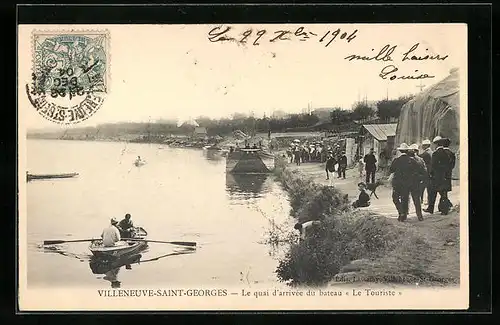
<point x="243" y="167"/>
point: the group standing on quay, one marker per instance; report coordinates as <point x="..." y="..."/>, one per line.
<point x="412" y="173"/>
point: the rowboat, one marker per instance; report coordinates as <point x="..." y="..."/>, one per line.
<point x="249" y="161"/>
<point x="30" y="177"/>
<point x="121" y="248"/>
<point x="212" y="147"/>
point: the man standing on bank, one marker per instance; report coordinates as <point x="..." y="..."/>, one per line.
<point x="420" y="177"/>
<point x="443" y="162"/>
<point x="342" y="165"/>
<point x="426" y="155"/>
<point x="370" y="166"/>
<point x="405" y="170"/>
<point x="330" y="165"/>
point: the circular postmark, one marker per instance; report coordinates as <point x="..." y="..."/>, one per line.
<point x="69" y="79"/>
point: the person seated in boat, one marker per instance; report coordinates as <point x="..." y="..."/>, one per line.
<point x="254" y="146"/>
<point x="111" y="235"/>
<point x="126" y="226"/>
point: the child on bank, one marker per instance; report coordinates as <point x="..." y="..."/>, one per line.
<point x="361" y="167"/>
<point x="363" y="199"/>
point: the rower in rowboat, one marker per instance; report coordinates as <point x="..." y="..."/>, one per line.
<point x="126" y="227"/>
<point x="111" y="235"/>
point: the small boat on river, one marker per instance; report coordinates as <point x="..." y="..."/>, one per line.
<point x="139" y="163"/>
<point x="249" y="161"/>
<point x="121" y="248"/>
<point x="30" y="177"/>
<point x="212" y="147"/>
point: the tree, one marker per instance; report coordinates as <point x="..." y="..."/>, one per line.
<point x="341" y="116"/>
<point x="362" y="111"/>
<point x="391" y="108"/>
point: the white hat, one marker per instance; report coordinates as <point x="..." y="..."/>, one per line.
<point x="436" y="139"/>
<point x="414" y="146"/>
<point x="403" y="146"/>
<point x="113" y="221"/>
<point x="426" y="141"/>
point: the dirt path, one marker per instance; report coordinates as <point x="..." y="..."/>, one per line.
<point x="440" y="233"/>
<point x="383" y="205"/>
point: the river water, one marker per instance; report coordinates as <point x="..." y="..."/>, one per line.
<point x="179" y="195"/>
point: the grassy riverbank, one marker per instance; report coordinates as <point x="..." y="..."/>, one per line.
<point x="354" y="245"/>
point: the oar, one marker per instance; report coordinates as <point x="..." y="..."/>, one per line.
<point x="60" y="241"/>
<point x="182" y="243"/>
<point x="162" y="256"/>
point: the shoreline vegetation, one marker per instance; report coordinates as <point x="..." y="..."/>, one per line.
<point x="361" y="246"/>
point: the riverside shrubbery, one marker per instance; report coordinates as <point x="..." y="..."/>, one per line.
<point x="343" y="235"/>
<point x="340" y="239"/>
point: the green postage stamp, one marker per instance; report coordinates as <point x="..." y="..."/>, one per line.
<point x="70" y="74"/>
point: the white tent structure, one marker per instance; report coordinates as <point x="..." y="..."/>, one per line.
<point x="435" y="111"/>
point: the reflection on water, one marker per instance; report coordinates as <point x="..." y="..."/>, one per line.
<point x="216" y="155"/>
<point x="111" y="267"/>
<point x="180" y="195"/>
<point x="246" y="186"/>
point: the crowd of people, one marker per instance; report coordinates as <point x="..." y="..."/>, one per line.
<point x="333" y="156"/>
<point x="414" y="171"/>
<point x="306" y="152"/>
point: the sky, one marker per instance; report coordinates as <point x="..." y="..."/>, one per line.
<point x="175" y="71"/>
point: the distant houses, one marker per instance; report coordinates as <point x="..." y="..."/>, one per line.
<point x="200" y="132"/>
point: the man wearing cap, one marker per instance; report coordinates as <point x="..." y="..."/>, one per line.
<point x="442" y="164"/>
<point x="111" y="234"/>
<point x="370" y="166"/>
<point x="342" y="165"/>
<point x="330" y="165"/>
<point x="426" y="155"/>
<point x="406" y="171"/>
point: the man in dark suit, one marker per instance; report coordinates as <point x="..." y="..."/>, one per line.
<point x="342" y="165"/>
<point x="370" y="166"/>
<point x="420" y="177"/>
<point x="426" y="155"/>
<point x="406" y="174"/>
<point x="330" y="165"/>
<point x="442" y="163"/>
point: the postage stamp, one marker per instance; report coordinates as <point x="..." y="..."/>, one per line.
<point x="70" y="74"/>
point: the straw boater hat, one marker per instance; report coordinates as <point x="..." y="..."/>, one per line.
<point x="414" y="146"/>
<point x="437" y="139"/>
<point x="403" y="146"/>
<point x="113" y="221"/>
<point x="426" y="142"/>
<point x="362" y="184"/>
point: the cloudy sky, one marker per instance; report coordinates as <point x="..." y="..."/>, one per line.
<point x="174" y="71"/>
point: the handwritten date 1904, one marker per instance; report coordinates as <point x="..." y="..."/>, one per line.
<point x="219" y="34"/>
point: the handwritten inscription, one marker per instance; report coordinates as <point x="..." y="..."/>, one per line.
<point x="389" y="72"/>
<point x="255" y="37"/>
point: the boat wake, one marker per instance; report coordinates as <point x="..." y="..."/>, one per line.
<point x="58" y="249"/>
